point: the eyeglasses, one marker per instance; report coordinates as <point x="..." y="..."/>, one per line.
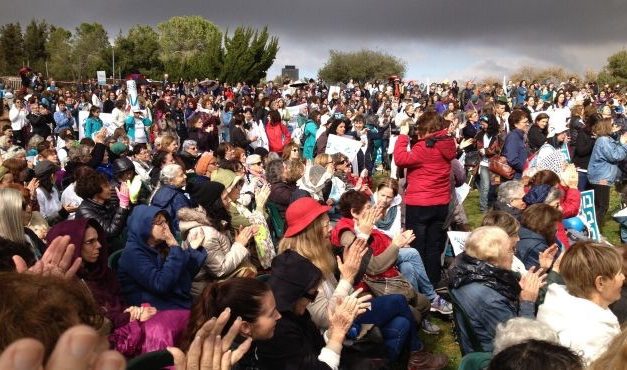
<point x="160" y="222"/>
<point x="310" y="296"/>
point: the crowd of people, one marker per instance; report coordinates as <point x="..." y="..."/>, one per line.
<point x="209" y="225"/>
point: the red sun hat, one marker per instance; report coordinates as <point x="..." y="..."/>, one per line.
<point x="301" y="214"/>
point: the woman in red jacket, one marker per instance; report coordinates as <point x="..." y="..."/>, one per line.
<point x="428" y="193"/>
<point x="278" y="134"/>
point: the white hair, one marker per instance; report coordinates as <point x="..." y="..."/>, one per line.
<point x="169" y="172"/>
<point x="521" y="329"/>
<point x="188" y="143"/>
<point x="508" y="190"/>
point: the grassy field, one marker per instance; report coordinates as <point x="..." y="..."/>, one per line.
<point x="445" y="342"/>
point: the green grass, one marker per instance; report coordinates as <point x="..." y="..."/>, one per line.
<point x="445" y="342"/>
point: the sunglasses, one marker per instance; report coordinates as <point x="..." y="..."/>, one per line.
<point x="309" y="296"/>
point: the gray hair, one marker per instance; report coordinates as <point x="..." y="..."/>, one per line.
<point x="188" y="143"/>
<point x="508" y="190"/>
<point x="169" y="172"/>
<point x="553" y="194"/>
<point x="274" y="171"/>
<point x="11" y="221"/>
<point x="521" y="329"/>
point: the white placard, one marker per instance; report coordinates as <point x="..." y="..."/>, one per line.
<point x="295" y="110"/>
<point x="107" y="122"/>
<point x="458" y="240"/>
<point x="332" y="90"/>
<point x="462" y="192"/>
<point x="346" y="146"/>
<point x="133" y="100"/>
<point x="102" y="77"/>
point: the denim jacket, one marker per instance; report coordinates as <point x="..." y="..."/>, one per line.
<point x="603" y="165"/>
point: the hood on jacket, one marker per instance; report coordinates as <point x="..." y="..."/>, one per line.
<point x="164" y="195"/>
<point x="292" y="276"/>
<point x="140" y="223"/>
<point x="76" y="229"/>
<point x="190" y="218"/>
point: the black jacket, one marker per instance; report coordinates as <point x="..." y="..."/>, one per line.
<point x="110" y="216"/>
<point x="40" y="124"/>
<point x="584" y="144"/>
<point x="239" y="138"/>
<point x="536" y="137"/>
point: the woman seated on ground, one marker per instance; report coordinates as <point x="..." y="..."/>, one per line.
<point x="511" y="226"/>
<point x="169" y="196"/>
<point x="159" y="160"/>
<point x="308" y="234"/>
<point x="510" y="198"/>
<point x="358" y="219"/>
<point x="486" y="289"/>
<point x="388" y="198"/>
<point x="579" y="311"/>
<point x="13" y="215"/>
<point x="95" y="190"/>
<point x="536" y="354"/>
<point x="153" y="267"/>
<point x="537" y="232"/>
<point x="226" y="256"/>
<point x="134" y="329"/>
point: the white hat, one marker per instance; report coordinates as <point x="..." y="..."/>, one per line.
<point x="557" y="128"/>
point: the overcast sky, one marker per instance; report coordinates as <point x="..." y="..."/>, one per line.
<point x="451" y="39"/>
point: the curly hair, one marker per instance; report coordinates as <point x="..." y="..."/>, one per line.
<point x="90" y="184"/>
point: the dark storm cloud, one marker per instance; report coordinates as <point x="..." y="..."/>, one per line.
<point x="553" y="31"/>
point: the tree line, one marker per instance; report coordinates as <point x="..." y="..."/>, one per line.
<point x="185" y="47"/>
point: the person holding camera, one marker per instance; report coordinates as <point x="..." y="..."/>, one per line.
<point x="428" y="194"/>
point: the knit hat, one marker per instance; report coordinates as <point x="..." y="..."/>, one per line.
<point x="292" y="276"/>
<point x="301" y="213"/>
<point x="118" y="148"/>
<point x="226" y="178"/>
<point x="537" y="194"/>
<point x="202" y="165"/>
<point x="205" y="193"/>
<point x="44" y="168"/>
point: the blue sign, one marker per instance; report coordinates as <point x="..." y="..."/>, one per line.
<point x="587" y="212"/>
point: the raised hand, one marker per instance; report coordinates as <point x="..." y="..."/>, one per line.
<point x="244" y="235"/>
<point x="196" y="237"/>
<point x="78" y="349"/>
<point x="353" y="254"/>
<point x="57" y="260"/>
<point x="548" y="256"/>
<point x="531" y="283"/>
<point x="210" y="351"/>
<point x="404" y="239"/>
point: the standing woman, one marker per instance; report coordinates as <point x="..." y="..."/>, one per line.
<point x="311" y="128"/>
<point x="584" y="143"/>
<point x="278" y="133"/>
<point x="603" y="169"/>
<point x="428" y="192"/>
<point x="489" y="144"/>
<point x="93" y="123"/>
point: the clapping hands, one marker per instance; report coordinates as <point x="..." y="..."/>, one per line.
<point x="56" y="261"/>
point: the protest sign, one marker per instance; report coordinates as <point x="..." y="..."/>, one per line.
<point x="462" y="192"/>
<point x="295" y="110"/>
<point x="107" y="122"/>
<point x="586" y="210"/>
<point x="333" y="90"/>
<point x="102" y="77"/>
<point x="458" y="240"/>
<point x="133" y="100"/>
<point x="346" y="146"/>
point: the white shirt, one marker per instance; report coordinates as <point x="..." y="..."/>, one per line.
<point x="69" y="197"/>
<point x="17" y="117"/>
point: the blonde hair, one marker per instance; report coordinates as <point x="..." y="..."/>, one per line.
<point x="322" y="159"/>
<point x="584" y="262"/>
<point x="166" y="140"/>
<point x="487" y="243"/>
<point x="11" y="221"/>
<point x="313" y="244"/>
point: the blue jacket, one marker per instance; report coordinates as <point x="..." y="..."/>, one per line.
<point x="310" y="139"/>
<point x="129" y="125"/>
<point x="92" y="125"/>
<point x="481" y="290"/>
<point x="147" y="275"/>
<point x="515" y="150"/>
<point x="62" y="121"/>
<point x="171" y="199"/>
<point x="529" y="247"/>
<point x="603" y="164"/>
